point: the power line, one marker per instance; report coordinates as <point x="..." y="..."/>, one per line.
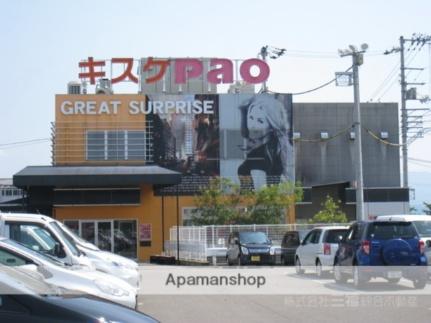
<point x="24" y="142"/>
<point x="321" y="86"/>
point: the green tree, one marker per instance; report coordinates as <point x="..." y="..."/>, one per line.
<point x="330" y="213"/>
<point x="427" y="208"/>
<point x="268" y="204"/>
<point x="222" y="202"/>
<point x="217" y="203"/>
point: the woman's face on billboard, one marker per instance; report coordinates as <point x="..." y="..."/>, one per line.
<point x="257" y="122"/>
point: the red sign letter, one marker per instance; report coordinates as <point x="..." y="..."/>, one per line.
<point x="91" y="74"/>
<point x="127" y="71"/>
<point x="245" y="68"/>
<point x="187" y="68"/>
<point x="225" y="71"/>
<point x="163" y="65"/>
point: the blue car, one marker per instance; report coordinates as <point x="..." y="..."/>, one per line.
<point x="388" y="248"/>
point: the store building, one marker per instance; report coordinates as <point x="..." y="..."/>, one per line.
<point x="125" y="168"/>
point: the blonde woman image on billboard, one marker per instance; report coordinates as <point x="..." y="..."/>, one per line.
<point x="265" y="126"/>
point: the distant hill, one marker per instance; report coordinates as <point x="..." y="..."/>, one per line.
<point x="421" y="183"/>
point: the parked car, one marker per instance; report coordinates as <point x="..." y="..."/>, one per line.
<point x="289" y="244"/>
<point x="78" y="278"/>
<point x="249" y="247"/>
<point x="25" y="298"/>
<point x="422" y="224"/>
<point x="21" y="226"/>
<point x="42" y="233"/>
<point x="388" y="248"/>
<point x="105" y="261"/>
<point x="318" y="249"/>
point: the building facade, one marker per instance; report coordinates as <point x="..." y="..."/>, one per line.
<point x="126" y="168"/>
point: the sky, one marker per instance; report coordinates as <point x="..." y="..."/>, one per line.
<point x="42" y="42"/>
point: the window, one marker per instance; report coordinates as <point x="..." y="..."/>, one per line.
<point x="116" y="145"/>
<point x="73" y="225"/>
<point x="333" y="236"/>
<point x="125" y="238"/>
<point x="391" y="230"/>
<point x="316" y="237"/>
<point x="9" y="259"/>
<point x="309" y="237"/>
<point x="34" y="237"/>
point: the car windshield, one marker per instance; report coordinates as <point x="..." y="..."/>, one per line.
<point x="333" y="236"/>
<point x="68" y="240"/>
<point x="423" y="227"/>
<point x="74" y="237"/>
<point x="391" y="230"/>
<point x="253" y="238"/>
<point x="37" y="254"/>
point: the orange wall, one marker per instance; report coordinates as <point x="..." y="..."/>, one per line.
<point x="70" y="129"/>
<point x="150" y="211"/>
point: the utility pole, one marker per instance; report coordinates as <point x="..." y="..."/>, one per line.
<point x="404" y="116"/>
<point x="418" y="40"/>
<point x="357" y="60"/>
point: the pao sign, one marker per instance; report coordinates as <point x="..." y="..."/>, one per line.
<point x="221" y="70"/>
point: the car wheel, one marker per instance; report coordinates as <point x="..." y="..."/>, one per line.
<point x="229" y="263"/>
<point x="298" y="266"/>
<point x="419" y="283"/>
<point x="359" y="280"/>
<point x="338" y="275"/>
<point x="319" y="271"/>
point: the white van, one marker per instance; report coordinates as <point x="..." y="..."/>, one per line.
<point x="44" y="234"/>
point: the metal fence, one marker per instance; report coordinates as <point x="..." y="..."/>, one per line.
<point x="208" y="243"/>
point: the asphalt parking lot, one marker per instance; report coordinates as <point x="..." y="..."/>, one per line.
<point x="315" y="300"/>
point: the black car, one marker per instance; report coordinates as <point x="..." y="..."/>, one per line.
<point x="23" y="299"/>
<point x="249" y="247"/>
<point x="289" y="244"/>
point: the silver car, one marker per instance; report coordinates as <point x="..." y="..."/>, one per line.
<point x="318" y="248"/>
<point x="77" y="278"/>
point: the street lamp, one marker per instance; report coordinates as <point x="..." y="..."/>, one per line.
<point x="357" y="60"/>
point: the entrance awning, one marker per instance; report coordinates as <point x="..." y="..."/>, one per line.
<point x="94" y="176"/>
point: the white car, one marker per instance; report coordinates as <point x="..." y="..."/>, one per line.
<point x="21" y="227"/>
<point x="76" y="278"/>
<point x="43" y="233"/>
<point x="318" y="248"/>
<point x="422" y="224"/>
<point x="105" y="261"/>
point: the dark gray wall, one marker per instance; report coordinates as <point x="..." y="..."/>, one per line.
<point x="319" y="163"/>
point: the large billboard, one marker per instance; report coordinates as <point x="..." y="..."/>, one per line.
<point x="256" y="138"/>
<point x="244" y="137"/>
